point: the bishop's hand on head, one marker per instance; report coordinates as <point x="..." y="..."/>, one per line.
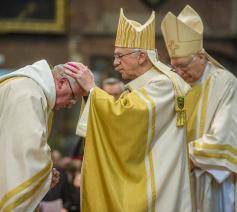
<point x="82" y="74"/>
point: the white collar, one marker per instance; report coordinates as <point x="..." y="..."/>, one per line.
<point x="142" y="80"/>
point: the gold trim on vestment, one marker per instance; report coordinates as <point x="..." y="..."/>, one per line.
<point x="24" y="185"/>
<point x="153" y="122"/>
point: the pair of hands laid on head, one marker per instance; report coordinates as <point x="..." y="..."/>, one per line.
<point x="81" y="74"/>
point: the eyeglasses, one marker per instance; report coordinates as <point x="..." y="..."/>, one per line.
<point x="185" y="65"/>
<point x="73" y="94"/>
<point x="120" y="56"/>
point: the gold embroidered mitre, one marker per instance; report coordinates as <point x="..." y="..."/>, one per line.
<point x="131" y="34"/>
<point x="183" y="34"/>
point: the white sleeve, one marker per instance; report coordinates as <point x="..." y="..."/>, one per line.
<point x="82" y="123"/>
<point x="219" y="175"/>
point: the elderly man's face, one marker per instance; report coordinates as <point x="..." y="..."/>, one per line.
<point x="189" y="68"/>
<point x="126" y="62"/>
<point x="67" y="94"/>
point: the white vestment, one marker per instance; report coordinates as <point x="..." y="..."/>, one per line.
<point x="27" y="97"/>
<point x="212" y="136"/>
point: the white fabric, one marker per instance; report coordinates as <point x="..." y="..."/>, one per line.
<point x="25" y="104"/>
<point x="40" y="72"/>
<point x="215" y="185"/>
<point x="168" y="154"/>
<point x="212" y="196"/>
<point x="219" y="175"/>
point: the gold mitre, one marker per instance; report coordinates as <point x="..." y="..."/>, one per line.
<point x="183" y="35"/>
<point x="131" y="34"/>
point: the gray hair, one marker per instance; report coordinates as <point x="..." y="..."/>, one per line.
<point x="144" y="51"/>
<point x="139" y="50"/>
<point x="59" y="70"/>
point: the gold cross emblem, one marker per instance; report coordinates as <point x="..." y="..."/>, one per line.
<point x="172" y="46"/>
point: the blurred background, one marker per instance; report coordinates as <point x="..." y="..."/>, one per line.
<point x="76" y="30"/>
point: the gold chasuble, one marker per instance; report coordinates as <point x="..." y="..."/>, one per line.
<point x="116" y="187"/>
<point x="135" y="156"/>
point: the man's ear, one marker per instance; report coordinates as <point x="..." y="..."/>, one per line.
<point x="142" y="58"/>
<point x="60" y="82"/>
<point x="203" y="57"/>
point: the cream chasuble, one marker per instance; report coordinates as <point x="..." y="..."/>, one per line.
<point x="26" y="98"/>
<point x="135" y="157"/>
<point x="212" y="138"/>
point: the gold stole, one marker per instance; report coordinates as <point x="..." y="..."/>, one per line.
<point x="196" y="96"/>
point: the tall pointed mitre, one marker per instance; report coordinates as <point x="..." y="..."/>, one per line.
<point x="183" y="34"/>
<point x="131" y="34"/>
